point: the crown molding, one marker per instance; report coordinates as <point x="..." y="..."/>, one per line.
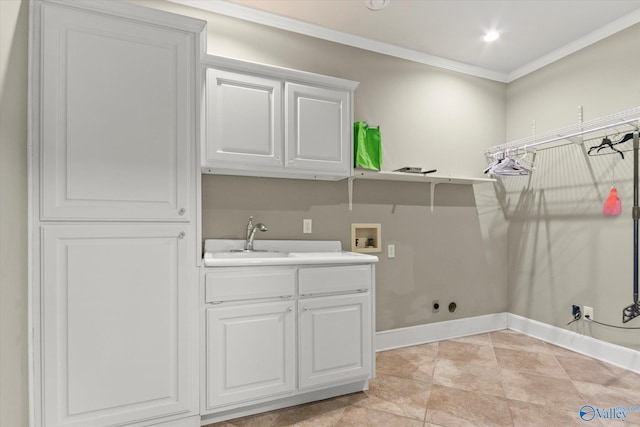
<point x="312" y="30"/>
<point x="591" y="38"/>
<point x="288" y="24"/>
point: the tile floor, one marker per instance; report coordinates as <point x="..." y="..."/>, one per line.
<point x="496" y="379"/>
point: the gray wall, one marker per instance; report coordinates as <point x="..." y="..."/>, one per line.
<point x="13" y="213"/>
<point x="562" y="250"/>
<point x="439" y="255"/>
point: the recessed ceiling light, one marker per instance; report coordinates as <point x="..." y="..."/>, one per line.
<point x="491" y="36"/>
<point x="376" y="4"/>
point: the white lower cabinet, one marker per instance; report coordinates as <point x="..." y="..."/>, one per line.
<point x="335" y="339"/>
<point x="250" y="352"/>
<point x="116" y="346"/>
<point x="277" y="333"/>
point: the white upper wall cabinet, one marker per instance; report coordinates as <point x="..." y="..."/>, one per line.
<point x="244" y="127"/>
<point x="269" y="121"/>
<point x="117" y="117"/>
<point x="318" y="128"/>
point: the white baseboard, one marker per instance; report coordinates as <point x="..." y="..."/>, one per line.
<point x="616" y="355"/>
<point x="431" y="332"/>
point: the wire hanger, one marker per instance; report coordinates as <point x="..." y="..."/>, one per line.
<point x="506" y="164"/>
<point x="607" y="143"/>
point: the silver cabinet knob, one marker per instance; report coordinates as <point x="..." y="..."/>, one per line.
<point x="181" y="235"/>
<point x="290" y="309"/>
<point x="182" y="211"/>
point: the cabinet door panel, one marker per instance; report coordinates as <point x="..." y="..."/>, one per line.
<point x="243" y="121"/>
<point x="335" y="339"/>
<point x="116" y="119"/>
<point x="114" y="321"/>
<point x="250" y="352"/>
<point x="318" y="129"/>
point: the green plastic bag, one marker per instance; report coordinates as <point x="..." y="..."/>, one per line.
<point x="367" y="146"/>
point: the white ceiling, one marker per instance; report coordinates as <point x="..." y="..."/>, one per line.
<point x="448" y="33"/>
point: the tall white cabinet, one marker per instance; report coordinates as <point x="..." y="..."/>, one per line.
<point x="114" y="234"/>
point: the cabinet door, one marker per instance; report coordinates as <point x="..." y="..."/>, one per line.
<point x="244" y="122"/>
<point x="335" y="339"/>
<point x="318" y="130"/>
<point x="250" y="352"/>
<point x="117" y="117"/>
<point x="115" y="324"/>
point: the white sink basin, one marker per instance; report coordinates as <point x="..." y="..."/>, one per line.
<point x="240" y="254"/>
<point x="229" y="253"/>
<point x="322" y="254"/>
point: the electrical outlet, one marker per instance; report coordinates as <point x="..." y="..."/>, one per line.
<point x="306" y="226"/>
<point x="575" y="312"/>
<point x="587" y="312"/>
<point x="391" y="251"/>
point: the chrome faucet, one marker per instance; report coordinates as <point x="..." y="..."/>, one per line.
<point x="251" y="233"/>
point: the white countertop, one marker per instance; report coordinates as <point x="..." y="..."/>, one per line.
<point x="225" y="253"/>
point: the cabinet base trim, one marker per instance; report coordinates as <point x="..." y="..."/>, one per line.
<point x="285" y="402"/>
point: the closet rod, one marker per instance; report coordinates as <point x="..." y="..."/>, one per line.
<point x="573" y="135"/>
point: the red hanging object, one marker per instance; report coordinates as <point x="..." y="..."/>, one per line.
<point x="612" y="206"/>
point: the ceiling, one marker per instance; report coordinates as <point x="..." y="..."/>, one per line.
<point x="448" y="33"/>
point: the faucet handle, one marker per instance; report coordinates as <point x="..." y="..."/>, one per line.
<point x="249" y="226"/>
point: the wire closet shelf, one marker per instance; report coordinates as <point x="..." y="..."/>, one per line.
<point x="593" y="129"/>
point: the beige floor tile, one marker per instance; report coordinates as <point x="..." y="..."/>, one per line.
<point x="465" y="376"/>
<point x="398" y="396"/>
<point x="531" y="415"/>
<point x="483" y="339"/>
<point x="541" y="390"/>
<point x="452" y="407"/>
<point x="496" y="379"/>
<point x="476" y="354"/>
<point x="355" y="416"/>
<point x="585" y="369"/>
<point x="415" y="362"/>
<point x="511" y="339"/>
<point x="421" y="350"/>
<point x="540" y="363"/>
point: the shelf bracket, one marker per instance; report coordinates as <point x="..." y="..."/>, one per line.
<point x="432" y="192"/>
<point x="350" y="188"/>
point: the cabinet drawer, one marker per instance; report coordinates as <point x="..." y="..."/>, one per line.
<point x="231" y="284"/>
<point x="320" y="280"/>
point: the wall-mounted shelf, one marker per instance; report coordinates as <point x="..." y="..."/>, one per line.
<point x="416" y="177"/>
<point x="433" y="180"/>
